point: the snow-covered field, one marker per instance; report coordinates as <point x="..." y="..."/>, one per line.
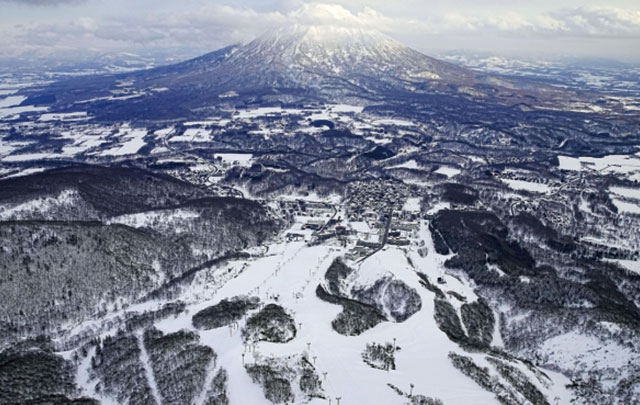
<point x="448" y="171"/>
<point x="241" y="159"/>
<point x="27" y="157"/>
<point x="625" y="206"/>
<point x="13" y="112"/>
<point x="93" y="139"/>
<point x="132" y="140"/>
<point x="11" y="101"/>
<point x="409" y="164"/>
<point x="21" y="173"/>
<point x="633" y="193"/>
<point x="216" y="122"/>
<point x="412" y="205"/>
<point x="394" y="122"/>
<point x="527" y="186"/>
<point x="631" y="265"/>
<point x="193" y="135"/>
<point x="343" y="108"/>
<point x="5" y="149"/>
<point x="330" y="112"/>
<point x="10" y="108"/>
<point x="260" y="112"/>
<point x="626" y="199"/>
<point x="622" y="165"/>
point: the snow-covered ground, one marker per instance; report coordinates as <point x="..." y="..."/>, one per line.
<point x="6" y="149"/>
<point x="313" y="197"/>
<point x="10" y="108"/>
<point x="409" y="164"/>
<point x="448" y="171"/>
<point x="621" y="165"/>
<point x="156" y="218"/>
<point x="584" y="351"/>
<point x="628" y="207"/>
<point x="193" y="135"/>
<point x="633" y="193"/>
<point x="288" y="275"/>
<point x="631" y="265"/>
<point x="28" y="157"/>
<point x="11" y="101"/>
<point x="13" y="112"/>
<point x="292" y="272"/>
<point x="40" y="206"/>
<point x="133" y="142"/>
<point x="343" y="108"/>
<point x="241" y="159"/>
<point x="394" y="122"/>
<point x="84" y="139"/>
<point x="528" y="186"/>
<point x="626" y="199"/>
<point x="21" y="173"/>
<point x="438" y="207"/>
<point x="412" y="205"/>
<point x="259" y="112"/>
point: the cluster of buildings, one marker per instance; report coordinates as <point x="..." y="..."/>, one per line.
<point x="373" y="198"/>
<point x="373" y="217"/>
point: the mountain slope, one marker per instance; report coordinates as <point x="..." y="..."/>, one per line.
<point x="80" y="240"/>
<point x="300" y="52"/>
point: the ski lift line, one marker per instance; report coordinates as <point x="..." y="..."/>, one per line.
<point x="326" y="382"/>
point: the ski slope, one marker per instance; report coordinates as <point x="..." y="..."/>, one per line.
<point x="291" y="272"/>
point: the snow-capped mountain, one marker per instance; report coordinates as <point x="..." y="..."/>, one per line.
<point x="301" y="63"/>
<point x="326" y="59"/>
<point x="317" y="55"/>
<point x="336" y="50"/>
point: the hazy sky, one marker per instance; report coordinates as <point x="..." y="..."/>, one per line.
<point x="595" y="28"/>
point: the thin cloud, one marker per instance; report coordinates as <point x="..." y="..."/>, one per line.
<point x="216" y="25"/>
<point x="41" y="3"/>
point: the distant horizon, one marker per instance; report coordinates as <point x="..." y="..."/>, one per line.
<point x="167" y="56"/>
<point x="35" y="30"/>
